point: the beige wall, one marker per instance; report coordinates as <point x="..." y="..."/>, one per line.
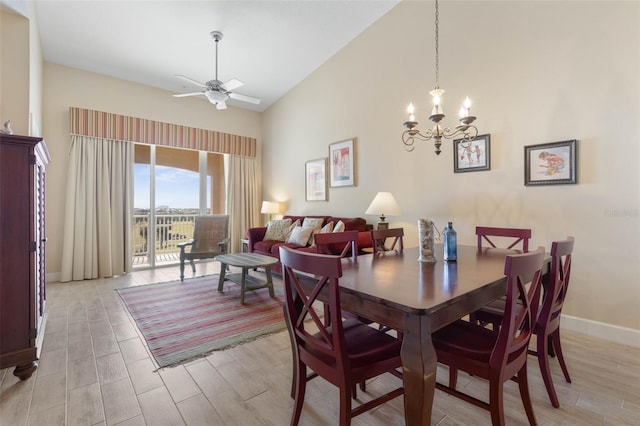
<point x="537" y="72"/>
<point x="65" y="87"/>
<point x="14" y="70"/>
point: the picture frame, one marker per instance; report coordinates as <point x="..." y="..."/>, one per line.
<point x="316" y="180"/>
<point x="550" y="163"/>
<point x="473" y="156"/>
<point x="342" y="163"/>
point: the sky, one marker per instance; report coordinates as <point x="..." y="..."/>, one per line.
<point x="175" y="188"/>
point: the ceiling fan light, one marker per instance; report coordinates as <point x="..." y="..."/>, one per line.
<point x="215" y="97"/>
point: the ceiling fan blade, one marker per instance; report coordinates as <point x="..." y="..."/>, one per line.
<point x="182" y="95"/>
<point x="234" y="83"/>
<point x="221" y="105"/>
<point x="190" y="80"/>
<point x="244" y="98"/>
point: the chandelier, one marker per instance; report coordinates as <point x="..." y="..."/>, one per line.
<point x="464" y="131"/>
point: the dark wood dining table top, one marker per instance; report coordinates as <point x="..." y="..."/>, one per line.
<point x="401" y="282"/>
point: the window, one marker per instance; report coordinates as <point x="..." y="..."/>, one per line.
<point x="171" y="187"/>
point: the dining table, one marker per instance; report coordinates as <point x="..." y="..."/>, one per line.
<point x="418" y="298"/>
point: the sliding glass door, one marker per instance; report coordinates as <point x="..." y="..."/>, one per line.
<point x="172" y="186"/>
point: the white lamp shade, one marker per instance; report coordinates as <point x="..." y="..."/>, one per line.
<point x="384" y="205"/>
<point x="270" y="207"/>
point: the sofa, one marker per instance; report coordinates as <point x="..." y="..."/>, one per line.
<point x="271" y="247"/>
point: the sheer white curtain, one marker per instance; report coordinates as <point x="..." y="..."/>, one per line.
<point x="97" y="227"/>
<point x="243" y="197"/>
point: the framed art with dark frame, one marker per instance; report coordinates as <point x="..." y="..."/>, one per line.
<point x="550" y="163"/>
<point x="342" y="163"/>
<point x="472" y="156"/>
<point x="316" y="180"/>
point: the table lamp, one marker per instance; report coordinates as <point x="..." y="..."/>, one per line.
<point x="382" y="204"/>
<point x="270" y="207"/>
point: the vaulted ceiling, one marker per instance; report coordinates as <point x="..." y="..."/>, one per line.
<point x="268" y="45"/>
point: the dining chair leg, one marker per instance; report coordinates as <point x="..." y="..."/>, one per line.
<point x="558" y="349"/>
<point x="301" y="385"/>
<point x="345" y="406"/>
<point x="453" y="377"/>
<point x="496" y="403"/>
<point x="523" y="384"/>
<point x="545" y="371"/>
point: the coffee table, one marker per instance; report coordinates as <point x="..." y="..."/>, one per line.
<point x="246" y="261"/>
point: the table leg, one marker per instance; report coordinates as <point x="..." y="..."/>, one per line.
<point x="267" y="269"/>
<point x="243" y="285"/>
<point x="419" y="364"/>
<point x="223" y="270"/>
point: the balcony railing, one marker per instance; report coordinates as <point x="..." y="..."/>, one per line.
<point x="170" y="230"/>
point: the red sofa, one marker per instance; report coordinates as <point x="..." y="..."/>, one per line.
<point x="257" y="244"/>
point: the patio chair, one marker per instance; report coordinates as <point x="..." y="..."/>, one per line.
<point x="210" y="238"/>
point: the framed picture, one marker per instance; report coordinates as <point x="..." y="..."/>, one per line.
<point x="550" y="163"/>
<point x="472" y="156"/>
<point x="341" y="163"/>
<point x="316" y="180"/>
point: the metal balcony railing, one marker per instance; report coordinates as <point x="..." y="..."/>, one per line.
<point x="170" y="230"/>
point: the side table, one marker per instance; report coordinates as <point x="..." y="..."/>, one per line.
<point x="246" y="261"/>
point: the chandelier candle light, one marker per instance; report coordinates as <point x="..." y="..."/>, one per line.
<point x="465" y="130"/>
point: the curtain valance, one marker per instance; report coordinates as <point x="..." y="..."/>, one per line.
<point x="106" y="125"/>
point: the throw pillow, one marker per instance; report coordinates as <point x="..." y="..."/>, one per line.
<point x="300" y="236"/>
<point x="315" y="224"/>
<point x="339" y="227"/>
<point x="289" y="230"/>
<point x="327" y="229"/>
<point x="276" y="228"/>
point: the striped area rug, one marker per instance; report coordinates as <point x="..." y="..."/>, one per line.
<point x="182" y="321"/>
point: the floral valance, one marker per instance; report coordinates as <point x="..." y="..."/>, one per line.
<point x="120" y="127"/>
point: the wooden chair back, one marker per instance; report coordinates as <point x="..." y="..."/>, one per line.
<point x="210" y="238"/>
<point x="331" y="242"/>
<point x="520" y="312"/>
<point x="381" y="238"/>
<point x="209" y="231"/>
<point x="519" y="234"/>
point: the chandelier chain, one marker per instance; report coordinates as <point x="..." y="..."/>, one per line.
<point x="437" y="50"/>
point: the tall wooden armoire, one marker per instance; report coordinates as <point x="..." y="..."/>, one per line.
<point x="22" y="251"/>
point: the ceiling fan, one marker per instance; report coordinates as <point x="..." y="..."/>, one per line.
<point x="216" y="91"/>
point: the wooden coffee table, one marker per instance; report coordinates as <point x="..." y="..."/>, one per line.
<point x="246" y="261"/>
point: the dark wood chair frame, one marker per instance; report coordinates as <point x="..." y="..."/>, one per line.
<point x="350" y="238"/>
<point x="343" y="352"/>
<point x="502" y="356"/>
<point x="380" y="237"/>
<point x="547" y="326"/>
<point x="520" y="234"/>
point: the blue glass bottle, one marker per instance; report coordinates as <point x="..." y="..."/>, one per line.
<point x="450" y="238"/>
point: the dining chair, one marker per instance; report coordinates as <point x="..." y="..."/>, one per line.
<point x="210" y="238"/>
<point x="547" y="327"/>
<point x="497" y="356"/>
<point x="344" y="353"/>
<point x="330" y="243"/>
<point x="381" y="237"/>
<point x="485" y="233"/>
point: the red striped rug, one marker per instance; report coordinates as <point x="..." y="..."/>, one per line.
<point x="185" y="320"/>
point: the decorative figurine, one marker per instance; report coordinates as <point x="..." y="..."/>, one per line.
<point x="6" y="128"/>
<point x="427" y="240"/>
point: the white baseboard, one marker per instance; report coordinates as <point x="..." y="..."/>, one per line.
<point x="52" y="277"/>
<point x="611" y="333"/>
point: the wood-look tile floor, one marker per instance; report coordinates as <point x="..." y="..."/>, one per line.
<point x="95" y="369"/>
